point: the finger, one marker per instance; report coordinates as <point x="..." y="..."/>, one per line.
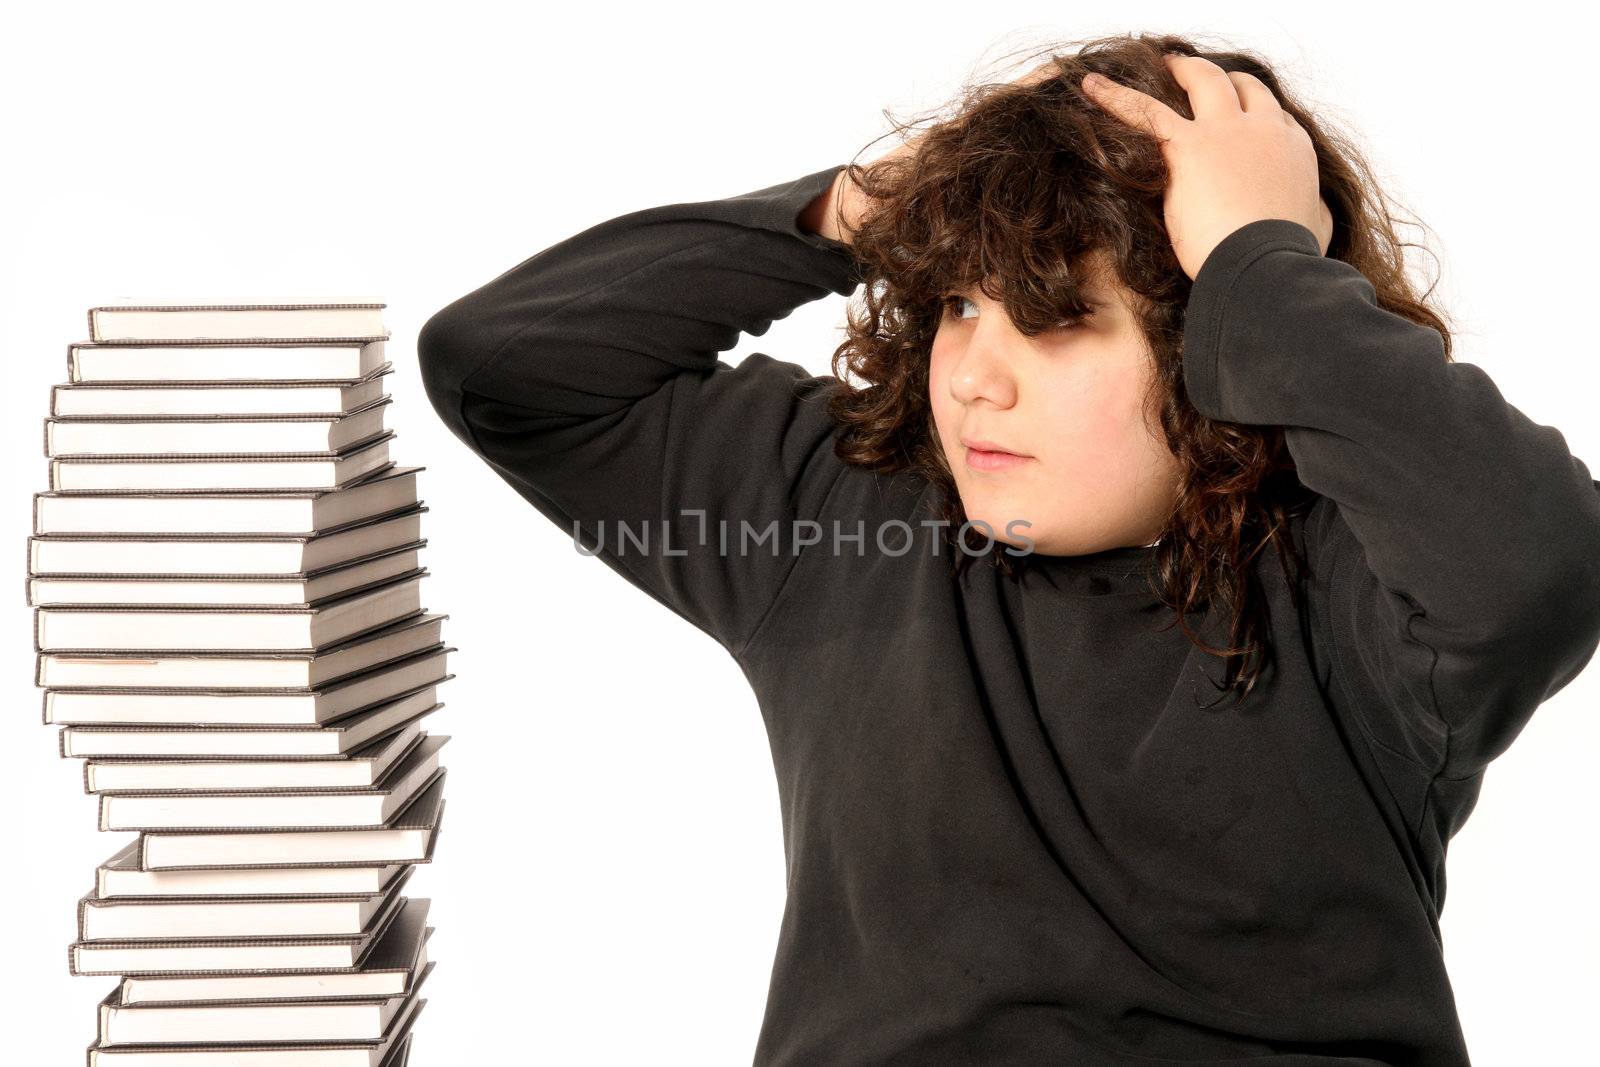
<point x="1132" y="106"/>
<point x="1210" y="90"/>
<point x="1254" y="96"/>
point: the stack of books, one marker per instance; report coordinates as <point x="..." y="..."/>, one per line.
<point x="230" y="634"/>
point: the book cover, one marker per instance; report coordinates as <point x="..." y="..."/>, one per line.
<point x="356" y="320"/>
<point x="408" y="837"/>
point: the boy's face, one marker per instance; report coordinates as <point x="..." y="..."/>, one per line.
<point x="1097" y="474"/>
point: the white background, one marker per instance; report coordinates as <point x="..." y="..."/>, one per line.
<point x="609" y="882"/>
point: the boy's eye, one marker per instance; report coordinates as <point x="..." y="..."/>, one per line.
<point x="952" y="304"/>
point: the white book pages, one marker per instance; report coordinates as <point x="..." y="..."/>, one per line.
<point x="401" y="843"/>
<point x="237" y="322"/>
<point x="81" y="628"/>
<point x="364" y="766"/>
<point x="232" y="472"/>
<point x="123" y="957"/>
<point x="392" y="1051"/>
<point x="237" y="591"/>
<point x="277" y="810"/>
<point x="210" y="555"/>
<point x="223" y="362"/>
<point x="382" y="683"/>
<point x="302" y="1021"/>
<point x="333" y="739"/>
<point x="265" y="513"/>
<point x="201" y="434"/>
<point x="121" y="877"/>
<point x="244" y="670"/>
<point x="213" y="398"/>
<point x="215" y="918"/>
<point x="397" y="958"/>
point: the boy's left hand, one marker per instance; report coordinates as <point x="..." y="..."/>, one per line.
<point x="1241" y="158"/>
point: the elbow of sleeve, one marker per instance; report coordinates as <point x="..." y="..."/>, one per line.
<point x="1585" y="638"/>
<point x="1494" y="691"/>
<point x="1489" y="677"/>
<point x="1562" y="627"/>
<point x="1547" y="601"/>
<point x="447" y="353"/>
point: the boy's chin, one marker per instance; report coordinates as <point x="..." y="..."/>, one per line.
<point x="1011" y="527"/>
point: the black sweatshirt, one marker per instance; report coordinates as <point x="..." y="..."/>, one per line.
<point x="1013" y="834"/>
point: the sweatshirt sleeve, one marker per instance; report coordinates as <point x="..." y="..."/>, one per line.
<point x="587" y="377"/>
<point x="1459" y="539"/>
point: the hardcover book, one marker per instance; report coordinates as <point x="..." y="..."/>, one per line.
<point x="262" y="707"/>
<point x="329" y="741"/>
<point x="253" y="669"/>
<point x="181" y="918"/>
<point x="124" y="957"/>
<point x="277" y="809"/>
<point x="278" y="556"/>
<point x="308" y="397"/>
<point x="190" y="360"/>
<point x="359" y="769"/>
<point x="120" y="876"/>
<point x="238" y="590"/>
<point x="164" y="435"/>
<point x="396" y="958"/>
<point x="328" y="469"/>
<point x="357" y="320"/>
<point x="81" y="627"/>
<point x="265" y="512"/>
<point x="393" y="1051"/>
<point x="407" y="837"/>
<point x="345" y="1019"/>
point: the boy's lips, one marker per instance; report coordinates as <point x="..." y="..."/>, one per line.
<point x="982" y="445"/>
<point x="984" y="455"/>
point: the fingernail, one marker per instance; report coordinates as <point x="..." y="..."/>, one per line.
<point x="1093" y="81"/>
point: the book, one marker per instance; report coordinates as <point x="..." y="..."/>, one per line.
<point x="277" y="809"/>
<point x="148" y="956"/>
<point x="265" y="512"/>
<point x="393" y="1051"/>
<point x="358" y="320"/>
<point x="330" y="740"/>
<point x="398" y="955"/>
<point x="211" y="554"/>
<point x="163" y="435"/>
<point x="203" y="917"/>
<point x="250" y="470"/>
<point x="79" y="627"/>
<point x="226" y="577"/>
<point x="264" y="707"/>
<point x="407" y="838"/>
<point x="349" y="1019"/>
<point x="363" y="767"/>
<point x="387" y="1054"/>
<point x="307" y="397"/>
<point x="184" y="918"/>
<point x="219" y="361"/>
<point x="205" y="669"/>
<point x="238" y="590"/>
<point x="120" y="876"/>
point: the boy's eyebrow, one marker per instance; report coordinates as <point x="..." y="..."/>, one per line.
<point x="1093" y="294"/>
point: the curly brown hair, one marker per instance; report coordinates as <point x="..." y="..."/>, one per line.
<point x="1010" y="193"/>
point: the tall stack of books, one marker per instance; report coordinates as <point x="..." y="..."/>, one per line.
<point x="230" y="633"/>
